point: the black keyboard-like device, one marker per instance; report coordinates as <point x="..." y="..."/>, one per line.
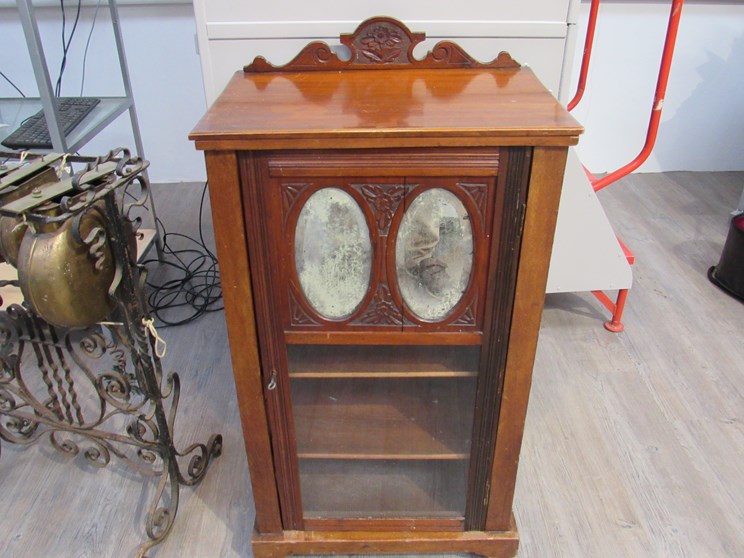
<point x="33" y="132"/>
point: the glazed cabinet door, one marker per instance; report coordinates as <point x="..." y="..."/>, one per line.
<point x="374" y="257"/>
<point x="377" y="268"/>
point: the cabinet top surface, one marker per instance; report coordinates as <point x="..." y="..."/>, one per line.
<point x="320" y="99"/>
<point x="496" y="106"/>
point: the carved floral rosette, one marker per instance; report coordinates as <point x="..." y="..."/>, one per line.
<point x="380" y="43"/>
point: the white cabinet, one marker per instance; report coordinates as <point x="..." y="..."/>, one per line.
<point x="538" y="33"/>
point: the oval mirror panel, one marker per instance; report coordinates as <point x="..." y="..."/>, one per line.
<point x="333" y="253"/>
<point x="434" y="254"/>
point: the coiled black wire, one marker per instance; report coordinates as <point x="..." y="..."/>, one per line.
<point x="196" y="287"/>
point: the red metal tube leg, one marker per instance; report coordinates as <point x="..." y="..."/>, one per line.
<point x="661" y="85"/>
<point x="614" y="325"/>
<point x="588" y="44"/>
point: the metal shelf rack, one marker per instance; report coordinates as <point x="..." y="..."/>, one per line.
<point x="104" y="114"/>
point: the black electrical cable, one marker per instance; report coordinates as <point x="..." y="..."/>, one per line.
<point x="197" y="286"/>
<point x="66" y="42"/>
<point x="58" y="86"/>
<point x="87" y="45"/>
<point x="12" y="84"/>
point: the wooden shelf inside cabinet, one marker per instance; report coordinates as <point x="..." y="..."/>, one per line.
<point x="383" y="489"/>
<point x="421" y="418"/>
<point x="387" y="361"/>
<point x="350" y="198"/>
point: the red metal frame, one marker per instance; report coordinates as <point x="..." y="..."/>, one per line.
<point x="617" y="307"/>
<point x="588" y="45"/>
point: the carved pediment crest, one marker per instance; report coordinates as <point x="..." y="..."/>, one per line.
<point x="380" y="43"/>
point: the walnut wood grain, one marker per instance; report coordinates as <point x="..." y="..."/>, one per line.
<point x="375" y="489"/>
<point x="230" y="234"/>
<point x="378" y="135"/>
<point x="391" y="361"/>
<point x="379" y="43"/>
<point x="381" y="338"/>
<point x="467" y="314"/>
<point x="504" y="259"/>
<point x="382" y="162"/>
<point x="375" y="311"/>
<point x="502" y="544"/>
<point x="273" y="356"/>
<point x="343" y="110"/>
<point x="537" y="239"/>
<point x="398" y="418"/>
<point x="383" y="202"/>
<point x="364" y="140"/>
<point x="399" y="524"/>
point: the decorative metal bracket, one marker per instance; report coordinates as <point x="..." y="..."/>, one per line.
<point x="380" y="43"/>
<point x="100" y="389"/>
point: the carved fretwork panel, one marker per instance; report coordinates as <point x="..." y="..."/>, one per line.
<point x="382" y="310"/>
<point x="479" y="194"/>
<point x="290" y="193"/>
<point x="375" y="212"/>
<point x="298" y="315"/>
<point x="468" y="316"/>
<point x="384" y="200"/>
<point x="444" y="220"/>
<point x="381" y="43"/>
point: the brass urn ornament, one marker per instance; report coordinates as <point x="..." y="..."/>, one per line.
<point x="12" y="229"/>
<point x="65" y="270"/>
<point x="54" y="231"/>
<point x="11" y="234"/>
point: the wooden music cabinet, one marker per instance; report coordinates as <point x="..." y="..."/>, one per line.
<point x="384" y="226"/>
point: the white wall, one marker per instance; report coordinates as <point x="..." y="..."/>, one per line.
<point x="164" y="70"/>
<point x="233" y="33"/>
<point x="702" y="126"/>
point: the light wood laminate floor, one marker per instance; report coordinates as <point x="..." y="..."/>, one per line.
<point x="634" y="444"/>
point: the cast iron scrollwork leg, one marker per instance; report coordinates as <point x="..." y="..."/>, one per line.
<point x="99" y="390"/>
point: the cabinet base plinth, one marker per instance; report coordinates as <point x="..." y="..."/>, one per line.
<point x="491" y="544"/>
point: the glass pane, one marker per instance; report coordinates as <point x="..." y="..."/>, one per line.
<point x="383" y="431"/>
<point x="434" y="254"/>
<point x="333" y="253"/>
<point x="383" y="489"/>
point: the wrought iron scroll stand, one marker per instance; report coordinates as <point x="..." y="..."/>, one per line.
<point x="101" y="389"/>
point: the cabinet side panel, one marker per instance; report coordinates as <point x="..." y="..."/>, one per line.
<point x="229" y="227"/>
<point x="508" y="213"/>
<point x="265" y="252"/>
<point x="546" y="177"/>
